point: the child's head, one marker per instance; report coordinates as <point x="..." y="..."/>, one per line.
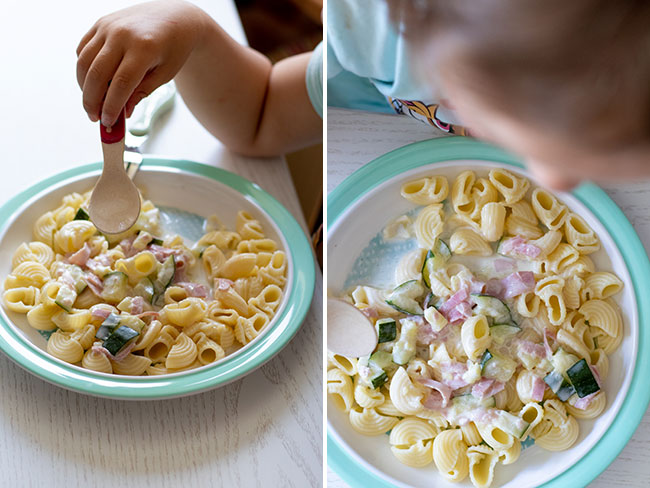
<point x="564" y="83"/>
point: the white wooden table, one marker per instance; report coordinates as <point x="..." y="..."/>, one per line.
<point x="356" y="138"/>
<point x="264" y="430"/>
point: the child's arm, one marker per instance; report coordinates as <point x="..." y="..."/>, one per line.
<point x="253" y="107"/>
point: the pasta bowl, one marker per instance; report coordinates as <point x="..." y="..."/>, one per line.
<point x="361" y="207"/>
<point x="188" y="192"/>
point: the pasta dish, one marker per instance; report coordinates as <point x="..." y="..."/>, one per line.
<point x="497" y="329"/>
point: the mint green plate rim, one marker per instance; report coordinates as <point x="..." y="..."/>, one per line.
<point x="41" y="364"/>
<point x="596" y="200"/>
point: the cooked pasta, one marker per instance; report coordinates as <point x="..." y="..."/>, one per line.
<point x="137" y="304"/>
<point x="496" y="329"/>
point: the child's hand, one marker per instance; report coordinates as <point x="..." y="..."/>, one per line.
<point x="135" y="50"/>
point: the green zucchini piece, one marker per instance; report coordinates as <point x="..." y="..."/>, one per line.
<point x="156" y="241"/>
<point x="511" y="424"/>
<point x="145" y="289"/>
<point x="498" y="368"/>
<point x="468" y="402"/>
<point x="559" y="385"/>
<point x="78" y="276"/>
<point x="386" y="330"/>
<point x="582" y="379"/>
<point x="119" y="338"/>
<point x="163" y="278"/>
<point x="382" y="359"/>
<point x="562" y="361"/>
<point x="81" y="215"/>
<point x="405" y="298"/>
<point x="404" y="348"/>
<point x="115" y="287"/>
<point x="502" y="332"/>
<point x="107" y="327"/>
<point x="493" y="308"/>
<point x="435" y="260"/>
<point x="487" y="355"/>
<point x="379" y="380"/>
<point x="65" y="298"/>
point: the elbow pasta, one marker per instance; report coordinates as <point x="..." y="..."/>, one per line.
<point x="471" y="385"/>
<point x="185" y="306"/>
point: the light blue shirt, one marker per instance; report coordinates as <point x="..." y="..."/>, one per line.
<point x="367" y="60"/>
<point x="314" y="79"/>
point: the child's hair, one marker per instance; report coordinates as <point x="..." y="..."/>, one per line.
<point x="580" y="66"/>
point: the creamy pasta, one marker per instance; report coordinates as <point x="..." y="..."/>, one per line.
<point x="142" y="303"/>
<point x="497" y="330"/>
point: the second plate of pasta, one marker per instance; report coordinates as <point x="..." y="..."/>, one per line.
<point x="471" y="272"/>
<point x="212" y="281"/>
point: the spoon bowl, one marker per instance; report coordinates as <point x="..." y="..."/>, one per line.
<point x="349" y="332"/>
<point x="115" y="201"/>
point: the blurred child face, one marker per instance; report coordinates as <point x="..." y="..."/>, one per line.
<point x="556" y="160"/>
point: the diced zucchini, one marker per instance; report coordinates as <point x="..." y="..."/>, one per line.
<point x="386" y="330"/>
<point x="107" y="327"/>
<point x="81" y="215"/>
<point x="378" y="380"/>
<point x="163" y="278"/>
<point x="119" y="338"/>
<point x="487" y="355"/>
<point x="132" y="321"/>
<point x="404" y="348"/>
<point x="463" y="403"/>
<point x="435" y="319"/>
<point x="78" y="276"/>
<point x="156" y="241"/>
<point x="65" y="298"/>
<point x="582" y="379"/>
<point x="493" y="308"/>
<point x="435" y="260"/>
<point x="511" y="424"/>
<point x="115" y="287"/>
<point x="144" y="289"/>
<point x="502" y="332"/>
<point x="405" y="298"/>
<point x="498" y="368"/>
<point x="382" y="359"/>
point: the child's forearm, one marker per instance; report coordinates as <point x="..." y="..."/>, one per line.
<point x="253" y="107"/>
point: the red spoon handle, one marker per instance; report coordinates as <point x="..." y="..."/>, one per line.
<point x="111" y="135"/>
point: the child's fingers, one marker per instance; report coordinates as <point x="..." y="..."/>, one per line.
<point x="86" y="38"/>
<point x="99" y="74"/>
<point x="152" y="80"/>
<point x="86" y="57"/>
<point x="127" y="77"/>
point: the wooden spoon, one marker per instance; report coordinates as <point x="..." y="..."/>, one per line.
<point x="115" y="202"/>
<point x="349" y="332"/>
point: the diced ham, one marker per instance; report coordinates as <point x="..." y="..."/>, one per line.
<point x="222" y="284"/>
<point x="584" y="402"/>
<point x="529" y="347"/>
<point x="127" y="247"/>
<point x="161" y="253"/>
<point x="453" y="374"/>
<point x="137" y="305"/>
<point x="81" y="256"/>
<point x="94" y="283"/>
<point x="100" y="313"/>
<point x="538" y="389"/>
<point x="476" y="286"/>
<point x="518" y="283"/>
<point x="487" y="387"/>
<point x="461" y="312"/>
<point x="520" y="246"/>
<point x="494" y="288"/>
<point x="194" y="289"/>
<point x="443" y="391"/>
<point x="370" y="312"/>
<point x="148" y="313"/>
<point x="547" y="346"/>
<point x="503" y="264"/>
<point x="124" y="352"/>
<point x="456" y="307"/>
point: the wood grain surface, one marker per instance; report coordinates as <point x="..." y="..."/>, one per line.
<point x="264" y="430"/>
<point x="356" y="138"/>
